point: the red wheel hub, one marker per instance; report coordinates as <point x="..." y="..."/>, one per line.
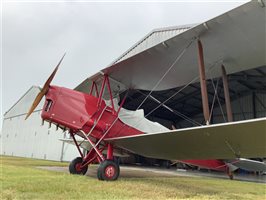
<point x="78" y="167"/>
<point x="109" y="171"/>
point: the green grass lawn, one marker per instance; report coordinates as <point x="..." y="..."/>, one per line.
<point x="20" y="179"/>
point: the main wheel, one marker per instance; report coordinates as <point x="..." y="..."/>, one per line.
<point x="75" y="167"/>
<point x="108" y="170"/>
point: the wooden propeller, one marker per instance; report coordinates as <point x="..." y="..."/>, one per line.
<point x="44" y="90"/>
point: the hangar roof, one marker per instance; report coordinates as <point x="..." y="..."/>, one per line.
<point x="155" y="37"/>
<point x="21" y="107"/>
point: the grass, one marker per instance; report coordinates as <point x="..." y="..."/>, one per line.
<point x="20" y="179"/>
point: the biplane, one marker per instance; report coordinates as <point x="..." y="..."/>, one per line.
<point x="98" y="121"/>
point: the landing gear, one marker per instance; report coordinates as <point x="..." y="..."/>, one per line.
<point x="108" y="170"/>
<point x="231" y="176"/>
<point x="230" y="173"/>
<point x="75" y="167"/>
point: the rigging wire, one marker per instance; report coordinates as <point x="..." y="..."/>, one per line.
<point x="180" y="90"/>
<point x="167" y="71"/>
<point x="173" y="111"/>
<point x="220" y="105"/>
<point x="214" y="97"/>
<point x="163" y="103"/>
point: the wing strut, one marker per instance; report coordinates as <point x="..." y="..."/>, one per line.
<point x="203" y="87"/>
<point x="227" y="95"/>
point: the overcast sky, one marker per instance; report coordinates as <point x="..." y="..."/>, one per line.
<point x="36" y="34"/>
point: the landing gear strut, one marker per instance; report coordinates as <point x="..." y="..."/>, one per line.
<point x="108" y="169"/>
<point x="230" y="173"/>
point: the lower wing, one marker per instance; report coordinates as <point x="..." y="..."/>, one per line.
<point x="249" y="165"/>
<point x="242" y="139"/>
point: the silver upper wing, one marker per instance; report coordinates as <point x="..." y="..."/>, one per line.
<point x="243" y="139"/>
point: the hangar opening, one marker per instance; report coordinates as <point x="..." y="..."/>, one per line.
<point x="182" y="106"/>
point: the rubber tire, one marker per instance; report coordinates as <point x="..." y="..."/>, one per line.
<point x="99" y="173"/>
<point x="102" y="167"/>
<point x="72" y="167"/>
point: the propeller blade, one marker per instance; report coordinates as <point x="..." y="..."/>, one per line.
<point x="35" y="103"/>
<point x="44" y="89"/>
<point x="49" y="80"/>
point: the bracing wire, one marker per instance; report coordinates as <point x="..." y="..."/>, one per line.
<point x="214" y="97"/>
<point x="181" y="115"/>
<point x="167" y="71"/>
<point x="180" y="90"/>
<point x="173" y="111"/>
<point x="218" y="99"/>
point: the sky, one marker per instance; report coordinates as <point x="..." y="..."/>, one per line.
<point x="35" y="35"/>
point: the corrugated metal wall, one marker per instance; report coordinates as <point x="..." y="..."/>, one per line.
<point x="247" y="107"/>
<point x="260" y="105"/>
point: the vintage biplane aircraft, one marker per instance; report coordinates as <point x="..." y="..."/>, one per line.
<point x="227" y="44"/>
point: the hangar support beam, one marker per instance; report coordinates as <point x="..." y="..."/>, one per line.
<point x="203" y="87"/>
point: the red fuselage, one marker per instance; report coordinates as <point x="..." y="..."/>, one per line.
<point x="79" y="111"/>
